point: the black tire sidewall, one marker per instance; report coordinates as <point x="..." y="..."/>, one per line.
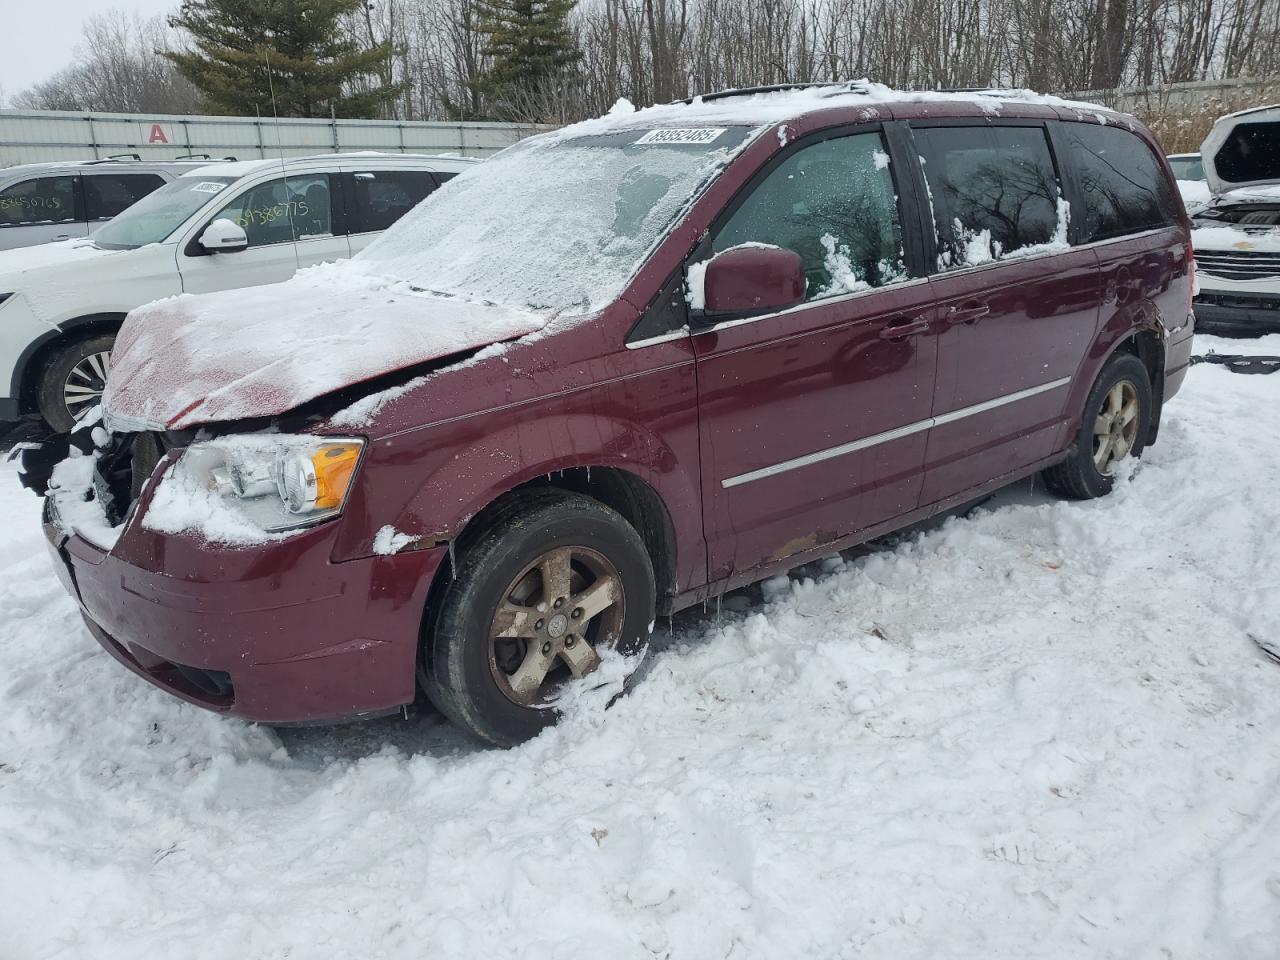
<point x="53" y="380"/>
<point x="1118" y="368"/>
<point x="457" y="654"/>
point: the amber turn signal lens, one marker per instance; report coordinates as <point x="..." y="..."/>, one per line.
<point x="334" y="465"/>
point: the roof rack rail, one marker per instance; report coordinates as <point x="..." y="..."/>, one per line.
<point x="120" y="156"/>
<point x="193" y="156"/>
<point x="835" y="86"/>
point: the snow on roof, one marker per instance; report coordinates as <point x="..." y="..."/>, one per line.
<point x="242" y="168"/>
<point x="758" y="106"/>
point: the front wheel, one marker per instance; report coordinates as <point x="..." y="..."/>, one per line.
<point x="73" y="380"/>
<point x="1115" y="425"/>
<point x="552" y="580"/>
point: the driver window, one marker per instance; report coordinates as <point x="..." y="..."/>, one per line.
<point x="281" y="211"/>
<point x="834" y="204"/>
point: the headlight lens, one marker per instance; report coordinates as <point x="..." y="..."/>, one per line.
<point x="275" y="481"/>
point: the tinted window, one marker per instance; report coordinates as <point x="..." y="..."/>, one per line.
<point x="994" y="191"/>
<point x="384" y="196"/>
<point x="1124" y="188"/>
<point x="105" y="196"/>
<point x="280" y="211"/>
<point x="43" y="200"/>
<point x="833" y="203"/>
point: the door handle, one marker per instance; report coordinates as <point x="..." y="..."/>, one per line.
<point x="971" y="311"/>
<point x="902" y="327"/>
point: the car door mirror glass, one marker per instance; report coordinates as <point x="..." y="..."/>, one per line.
<point x="223" y="236"/>
<point x="747" y="280"/>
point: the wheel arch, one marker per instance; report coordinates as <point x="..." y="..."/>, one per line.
<point x="1137" y="331"/>
<point x="25" y="382"/>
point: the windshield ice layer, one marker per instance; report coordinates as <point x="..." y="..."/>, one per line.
<point x="557" y="224"/>
<point x="153" y="218"/>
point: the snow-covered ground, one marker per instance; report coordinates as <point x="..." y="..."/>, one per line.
<point x="1040" y="730"/>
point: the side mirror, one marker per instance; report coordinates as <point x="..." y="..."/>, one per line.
<point x="752" y="279"/>
<point x="223" y="236"/>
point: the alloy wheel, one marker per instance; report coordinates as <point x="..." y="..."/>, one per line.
<point x="83" y="388"/>
<point x="554" y="618"/>
<point x="1115" y="429"/>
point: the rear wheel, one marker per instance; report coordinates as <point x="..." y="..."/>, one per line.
<point x="1116" y="424"/>
<point x="73" y="380"/>
<point x="551" y="581"/>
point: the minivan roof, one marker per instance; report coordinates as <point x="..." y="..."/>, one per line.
<point x="760" y="105"/>
<point x="50" y="166"/>
<point x="244" y="168"/>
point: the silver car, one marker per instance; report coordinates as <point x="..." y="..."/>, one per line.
<point x="40" y="202"/>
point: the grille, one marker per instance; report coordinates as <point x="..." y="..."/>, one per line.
<point x="1238" y="264"/>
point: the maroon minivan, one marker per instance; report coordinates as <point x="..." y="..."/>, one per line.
<point x="614" y="371"/>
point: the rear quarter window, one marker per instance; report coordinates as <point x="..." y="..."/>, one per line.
<point x="384" y="196"/>
<point x="1123" y="187"/>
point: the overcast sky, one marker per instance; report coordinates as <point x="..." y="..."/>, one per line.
<point x="40" y="35"/>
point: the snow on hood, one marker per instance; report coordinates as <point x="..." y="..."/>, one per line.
<point x="17" y="264"/>
<point x="1243" y="149"/>
<point x="1256" y="240"/>
<point x="240" y="354"/>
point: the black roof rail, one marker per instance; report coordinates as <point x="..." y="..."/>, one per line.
<point x="193" y="156"/>
<point x="752" y="91"/>
<point x="120" y="156"/>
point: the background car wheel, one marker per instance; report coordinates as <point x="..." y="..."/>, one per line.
<point x="550" y="580"/>
<point x="73" y="380"/>
<point x="1116" y="423"/>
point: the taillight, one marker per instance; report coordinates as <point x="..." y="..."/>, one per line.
<point x="1191" y="274"/>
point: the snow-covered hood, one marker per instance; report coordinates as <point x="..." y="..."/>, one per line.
<point x="242" y="354"/>
<point x="27" y="267"/>
<point x="1243" y="149"/>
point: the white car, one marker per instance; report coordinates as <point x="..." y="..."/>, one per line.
<point x="40" y="202"/>
<point x="217" y="227"/>
<point x="1237" y="235"/>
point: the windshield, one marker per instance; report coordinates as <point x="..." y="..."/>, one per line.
<point x="1187" y="168"/>
<point x="158" y="214"/>
<point x="556" y="223"/>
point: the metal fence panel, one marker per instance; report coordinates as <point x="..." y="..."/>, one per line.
<point x="33" y="136"/>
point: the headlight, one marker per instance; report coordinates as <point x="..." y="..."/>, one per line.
<point x="274" y="481"/>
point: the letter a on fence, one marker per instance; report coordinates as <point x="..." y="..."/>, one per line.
<point x="157" y="134"/>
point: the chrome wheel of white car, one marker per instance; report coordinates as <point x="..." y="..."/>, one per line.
<point x="82" y="390"/>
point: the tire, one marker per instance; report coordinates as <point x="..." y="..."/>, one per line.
<point x="483" y="681"/>
<point x="1080" y="477"/>
<point x="72" y="381"/>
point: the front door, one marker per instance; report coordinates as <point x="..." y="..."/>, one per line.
<point x="814" y="419"/>
<point x="1017" y="306"/>
<point x="291" y="222"/>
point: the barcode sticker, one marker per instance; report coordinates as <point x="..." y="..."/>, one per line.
<point x="208" y="186"/>
<point x="681" y="135"/>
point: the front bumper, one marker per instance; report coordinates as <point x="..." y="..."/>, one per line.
<point x="1248" y="314"/>
<point x="276" y="633"/>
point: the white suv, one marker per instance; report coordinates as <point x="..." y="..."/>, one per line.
<point x="40" y="202"/>
<point x="218" y="227"/>
<point x="1237" y="235"/>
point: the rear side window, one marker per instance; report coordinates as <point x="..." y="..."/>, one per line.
<point x="281" y="211"/>
<point x="1123" y="186"/>
<point x="41" y="200"/>
<point x="384" y="196"/>
<point x="106" y="195"/>
<point x="993" y="190"/>
<point x="834" y="204"/>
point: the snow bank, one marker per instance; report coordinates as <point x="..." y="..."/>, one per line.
<point x="1039" y="733"/>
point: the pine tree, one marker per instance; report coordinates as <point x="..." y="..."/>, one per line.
<point x="246" y="50"/>
<point x="532" y="53"/>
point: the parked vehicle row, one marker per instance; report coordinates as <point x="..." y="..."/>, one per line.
<point x="613" y="371"/>
<point x="61" y="304"/>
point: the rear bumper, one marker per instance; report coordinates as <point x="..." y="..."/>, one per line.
<point x="1238" y="314"/>
<point x="281" y="636"/>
